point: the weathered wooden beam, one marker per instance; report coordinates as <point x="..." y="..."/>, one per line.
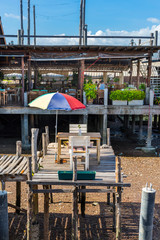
<point x="46" y="214"/>
<point x="17" y="208"/>
<point x="18" y="184"/>
<point x="114" y="213"/>
<point x="79" y="183"/>
<point x="34" y="132"/>
<point x="47" y="135"/>
<point x="14" y="178"/>
<point x="18" y="196"/>
<point x="108" y="137"/>
<point x="18" y="148"/>
<point x="75" y="215"/>
<point x="83" y="199"/>
<point x="44" y="146"/>
<point x="108" y="196"/>
<point x="30" y="201"/>
<point x="74" y="169"/>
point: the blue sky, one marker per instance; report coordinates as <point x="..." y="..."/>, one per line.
<point x="103" y="17"/>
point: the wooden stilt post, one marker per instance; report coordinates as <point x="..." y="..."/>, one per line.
<point x="29" y="207"/>
<point x="133" y="123"/>
<point x="18" y="148"/>
<point x="46" y="214"/>
<point x="108" y="197"/>
<point x="75" y="203"/>
<point x="83" y="199"/>
<point x="47" y="135"/>
<point x="108" y="137"/>
<point x="114" y="213"/>
<point x="51" y="194"/>
<point x="44" y="147"/>
<point x="140" y="127"/>
<point x="18" y="196"/>
<point x="118" y="199"/>
<point x="118" y="214"/>
<point x="18" y="184"/>
<point x="149" y="69"/>
<point x="75" y="216"/>
<point x="138" y="73"/>
<point x="34" y="132"/>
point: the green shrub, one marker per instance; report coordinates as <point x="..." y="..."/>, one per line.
<point x="119" y="95"/>
<point x="142" y="86"/>
<point x="116" y="79"/>
<point x="90" y="90"/>
<point x="127" y="95"/>
<point x="136" y="95"/>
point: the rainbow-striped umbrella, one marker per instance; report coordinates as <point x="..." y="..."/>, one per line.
<point x="57" y="101"/>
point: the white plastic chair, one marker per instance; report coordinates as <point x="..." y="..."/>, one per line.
<point x="79" y="141"/>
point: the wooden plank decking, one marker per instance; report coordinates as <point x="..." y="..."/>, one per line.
<point x="105" y="171"/>
<point x="13" y="168"/>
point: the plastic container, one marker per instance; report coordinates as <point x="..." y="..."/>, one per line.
<point x="81" y="175"/>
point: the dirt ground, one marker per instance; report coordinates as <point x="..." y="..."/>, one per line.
<point x="98" y="221"/>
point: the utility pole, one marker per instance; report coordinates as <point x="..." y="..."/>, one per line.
<point x="28" y="22"/>
<point x="80" y="24"/>
<point x="34" y="22"/>
<point x="83" y="20"/>
<point x="21" y="12"/>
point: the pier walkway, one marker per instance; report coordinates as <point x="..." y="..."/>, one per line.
<point x="105" y="171"/>
<point x="108" y="180"/>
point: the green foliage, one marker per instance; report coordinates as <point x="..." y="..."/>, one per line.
<point x="119" y="95"/>
<point x="142" y="86"/>
<point x="136" y="95"/>
<point x="128" y="95"/>
<point x="40" y="166"/>
<point x="90" y="90"/>
<point x="116" y="79"/>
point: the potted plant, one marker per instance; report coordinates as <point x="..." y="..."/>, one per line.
<point x="119" y="97"/>
<point x="136" y="97"/>
<point x="91" y="92"/>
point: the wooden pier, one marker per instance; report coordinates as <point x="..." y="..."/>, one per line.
<point x="108" y="180"/>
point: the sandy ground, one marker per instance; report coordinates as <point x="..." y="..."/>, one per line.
<point x="98" y="221"/>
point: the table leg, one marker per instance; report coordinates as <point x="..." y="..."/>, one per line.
<point x="98" y="150"/>
<point x="59" y="150"/>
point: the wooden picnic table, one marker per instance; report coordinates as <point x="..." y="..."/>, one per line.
<point x="96" y="136"/>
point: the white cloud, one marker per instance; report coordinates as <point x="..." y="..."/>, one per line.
<point x="109" y="41"/>
<point x="153" y="20"/>
<point x="11" y="15"/>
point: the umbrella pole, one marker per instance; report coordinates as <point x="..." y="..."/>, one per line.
<point x="56" y="133"/>
<point x="56" y="126"/>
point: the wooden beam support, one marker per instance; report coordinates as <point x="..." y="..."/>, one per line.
<point x="83" y="199"/>
<point x="149" y="70"/>
<point x="75" y="215"/>
<point x="108" y="196"/>
<point x="46" y="214"/>
<point x="30" y="201"/>
<point x="138" y="73"/>
<point x="18" y="197"/>
<point x="81" y="76"/>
